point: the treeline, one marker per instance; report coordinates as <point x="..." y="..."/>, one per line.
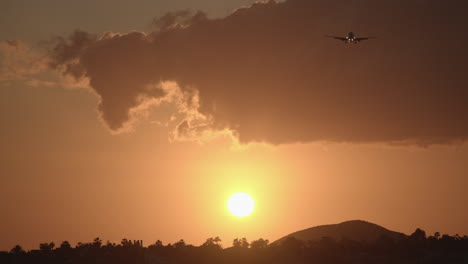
<point x="416" y="248"/>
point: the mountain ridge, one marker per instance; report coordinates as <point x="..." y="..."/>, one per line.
<point x="357" y="230"/>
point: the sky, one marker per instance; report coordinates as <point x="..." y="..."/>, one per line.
<point x="138" y="119"/>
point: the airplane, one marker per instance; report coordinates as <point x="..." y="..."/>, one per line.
<point x="351" y="38"/>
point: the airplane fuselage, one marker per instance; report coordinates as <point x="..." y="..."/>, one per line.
<point x="351" y="38"/>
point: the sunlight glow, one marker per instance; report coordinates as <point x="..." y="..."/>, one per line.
<point x="241" y="204"/>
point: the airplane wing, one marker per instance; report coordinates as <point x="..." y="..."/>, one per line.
<point x="339" y="38"/>
<point x="366" y="38"/>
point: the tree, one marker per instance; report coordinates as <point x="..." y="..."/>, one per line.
<point x="17" y="250"/>
<point x="97" y="243"/>
<point x="110" y="244"/>
<point x="240" y="243"/>
<point x="180" y="244"/>
<point x="259" y="243"/>
<point x="65" y="245"/>
<point x="213" y="243"/>
<point x="419" y="234"/>
<point x="126" y="243"/>
<point x="82" y="245"/>
<point x="46" y="247"/>
<point x="157" y="244"/>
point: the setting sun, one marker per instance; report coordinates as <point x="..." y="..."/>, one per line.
<point x="241" y="204"/>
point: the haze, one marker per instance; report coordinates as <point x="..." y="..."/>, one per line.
<point x="120" y="119"/>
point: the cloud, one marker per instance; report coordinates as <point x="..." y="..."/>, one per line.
<point x="268" y="74"/>
<point x="18" y="60"/>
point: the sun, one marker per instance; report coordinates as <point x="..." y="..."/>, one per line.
<point x="241" y="204"/>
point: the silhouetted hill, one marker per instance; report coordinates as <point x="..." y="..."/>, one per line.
<point x="416" y="248"/>
<point x="356" y="230"/>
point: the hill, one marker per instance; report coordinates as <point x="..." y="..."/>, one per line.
<point x="356" y="230"/>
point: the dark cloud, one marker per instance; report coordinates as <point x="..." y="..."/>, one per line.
<point x="172" y="19"/>
<point x="267" y="72"/>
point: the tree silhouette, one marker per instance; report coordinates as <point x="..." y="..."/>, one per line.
<point x="126" y="243"/>
<point x="212" y="243"/>
<point x="412" y="249"/>
<point x="259" y="243"/>
<point x="17" y="250"/>
<point x="157" y="244"/>
<point x="419" y="234"/>
<point x="180" y="244"/>
<point x="65" y="245"/>
<point x="96" y="243"/>
<point x="46" y="247"/>
<point x="240" y="243"/>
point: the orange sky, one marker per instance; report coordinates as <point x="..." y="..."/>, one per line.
<point x="65" y="176"/>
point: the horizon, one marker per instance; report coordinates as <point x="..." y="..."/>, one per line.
<point x="176" y="119"/>
<point x="230" y="244"/>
